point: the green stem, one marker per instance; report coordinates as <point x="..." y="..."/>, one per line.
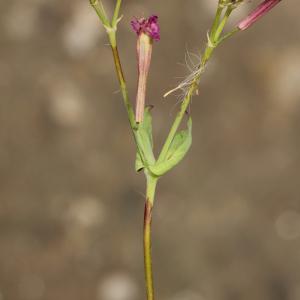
<point x="216" y="20"/>
<point x="222" y="24"/>
<point x="151" y="186"/>
<point x="121" y="78"/>
<point x="184" y="105"/>
<point x="228" y="35"/>
<point x="176" y="123"/>
<point x="111" y="31"/>
<point x="116" y="13"/>
<point x="100" y="12"/>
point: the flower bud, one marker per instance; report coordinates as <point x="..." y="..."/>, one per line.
<point x="257" y="13"/>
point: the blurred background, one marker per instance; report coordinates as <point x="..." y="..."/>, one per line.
<point x="227" y="219"/>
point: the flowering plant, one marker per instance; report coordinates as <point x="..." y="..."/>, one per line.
<point x="177" y="142"/>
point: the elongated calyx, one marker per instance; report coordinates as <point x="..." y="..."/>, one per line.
<point x="257" y="13"/>
<point x="147" y="31"/>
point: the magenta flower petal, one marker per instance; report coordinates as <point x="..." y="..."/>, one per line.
<point x="148" y="26"/>
<point x="258" y="12"/>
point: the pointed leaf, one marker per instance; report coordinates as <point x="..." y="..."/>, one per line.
<point x="177" y="151"/>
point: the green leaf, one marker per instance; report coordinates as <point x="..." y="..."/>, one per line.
<point x="177" y="151"/>
<point x="143" y="135"/>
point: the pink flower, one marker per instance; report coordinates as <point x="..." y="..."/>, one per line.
<point x="148" y="26"/>
<point x="258" y="12"/>
<point x="147" y="31"/>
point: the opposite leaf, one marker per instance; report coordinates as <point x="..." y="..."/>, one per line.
<point x="177" y="151"/>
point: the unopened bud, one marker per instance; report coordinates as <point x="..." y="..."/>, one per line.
<point x="257" y="13"/>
